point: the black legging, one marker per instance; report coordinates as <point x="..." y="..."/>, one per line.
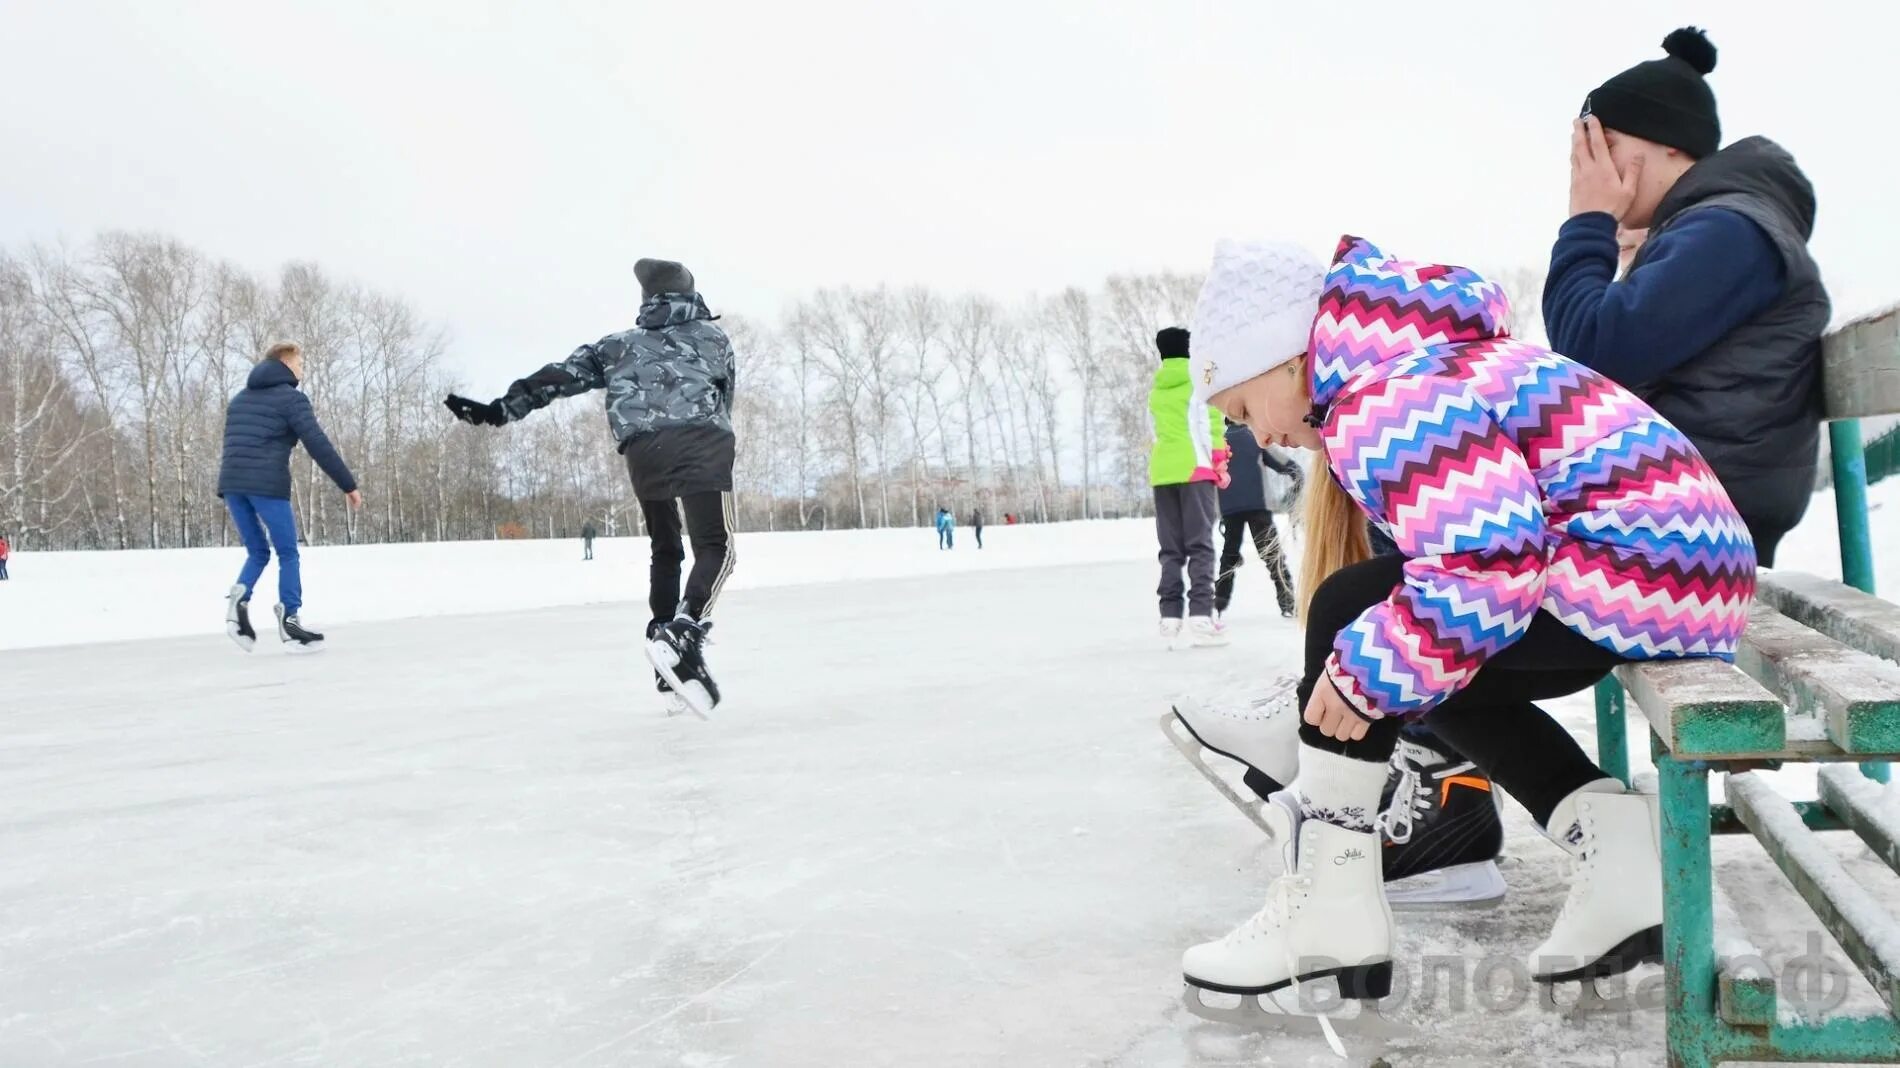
<point x="1492" y="720"/>
<point x="708" y="525"/>
<point x="1266" y="542"/>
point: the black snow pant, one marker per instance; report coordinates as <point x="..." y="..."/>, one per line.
<point x="1266" y="542"/>
<point x="1493" y="721"/>
<point x="708" y="525"/>
<point x="1184" y="525"/>
<point x="1766" y="536"/>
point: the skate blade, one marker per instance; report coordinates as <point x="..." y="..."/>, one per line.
<point x="303" y="649"/>
<point x="1250" y="1011"/>
<point x="661" y="656"/>
<point x="673" y="705"/>
<point x="1474" y="886"/>
<point x="246" y="644"/>
<point x="1649" y="995"/>
<point x="1190" y="747"/>
<point x="696" y="699"/>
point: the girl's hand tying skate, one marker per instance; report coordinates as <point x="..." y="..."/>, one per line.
<point x="1333" y="716"/>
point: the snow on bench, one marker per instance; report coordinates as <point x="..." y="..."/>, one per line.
<point x="1859" y="923"/>
<point x="1814" y="681"/>
<point x="1856" y="695"/>
<point x="1836" y="609"/>
<point x="1867" y="807"/>
<point x="1706" y="708"/>
<point x="1745" y="987"/>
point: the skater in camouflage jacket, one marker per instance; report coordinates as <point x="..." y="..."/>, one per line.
<point x="669" y="383"/>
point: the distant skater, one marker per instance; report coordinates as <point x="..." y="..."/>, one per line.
<point x="587" y="541"/>
<point x="669" y="383"/>
<point x="1247" y="504"/>
<point x="265" y="421"/>
<point x="5" y="551"/>
<point x="1186" y="466"/>
<point x="976" y="521"/>
<point x="946" y="529"/>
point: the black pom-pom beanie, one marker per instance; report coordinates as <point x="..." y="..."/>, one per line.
<point x="1665" y="100"/>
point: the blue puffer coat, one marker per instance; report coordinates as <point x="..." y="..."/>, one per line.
<point x="265" y="421"/>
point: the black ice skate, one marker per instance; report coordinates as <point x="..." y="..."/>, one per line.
<point x="672" y="702"/>
<point x="677" y="653"/>
<point x="1439" y="819"/>
<point x="237" y="618"/>
<point x="295" y="637"/>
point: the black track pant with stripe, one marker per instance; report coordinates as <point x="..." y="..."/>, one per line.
<point x="707" y="523"/>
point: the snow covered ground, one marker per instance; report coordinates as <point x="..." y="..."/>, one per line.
<point x="67" y="598"/>
<point x="935" y="824"/>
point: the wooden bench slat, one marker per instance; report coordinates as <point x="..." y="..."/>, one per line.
<point x="1706" y="708"/>
<point x="1854" y="618"/>
<point x="1856" y="695"/>
<point x="1745" y="986"/>
<point x="1861" y="367"/>
<point x="1857" y="800"/>
<point x="1859" y="923"/>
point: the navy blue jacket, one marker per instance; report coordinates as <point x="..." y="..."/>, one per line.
<point x="1702" y="279"/>
<point x="267" y="419"/>
<point x="1717" y="326"/>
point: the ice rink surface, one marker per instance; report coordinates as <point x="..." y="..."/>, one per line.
<point x="934" y="824"/>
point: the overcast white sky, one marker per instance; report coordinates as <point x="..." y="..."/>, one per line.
<point x="504" y="165"/>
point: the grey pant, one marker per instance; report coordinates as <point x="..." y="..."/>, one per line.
<point x="1184" y="525"/>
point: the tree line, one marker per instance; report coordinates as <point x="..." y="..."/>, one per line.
<point x="857" y="407"/>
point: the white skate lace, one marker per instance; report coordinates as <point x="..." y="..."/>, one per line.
<point x="1282" y="895"/>
<point x="1410" y="798"/>
<point x="1587" y="850"/>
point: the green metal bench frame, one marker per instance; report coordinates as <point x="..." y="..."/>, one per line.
<point x="1715" y="1010"/>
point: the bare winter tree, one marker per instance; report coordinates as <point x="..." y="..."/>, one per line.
<point x="120" y="357"/>
<point x="972" y="335"/>
<point x="42" y="427"/>
<point x="922" y="325"/>
<point x="1077" y="334"/>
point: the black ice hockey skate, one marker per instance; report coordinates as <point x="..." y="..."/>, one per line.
<point x="295" y="637"/>
<point x="677" y="652"/>
<point x="1441" y="829"/>
<point x="237" y="618"/>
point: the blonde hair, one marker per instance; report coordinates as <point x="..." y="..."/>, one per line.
<point x="1334" y="530"/>
<point x="283" y="350"/>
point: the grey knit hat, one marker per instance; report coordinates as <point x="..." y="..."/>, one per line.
<point x="663" y="276"/>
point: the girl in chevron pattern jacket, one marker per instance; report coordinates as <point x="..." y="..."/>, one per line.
<point x="1550" y="526"/>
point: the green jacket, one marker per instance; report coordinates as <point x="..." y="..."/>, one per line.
<point x="1188" y="438"/>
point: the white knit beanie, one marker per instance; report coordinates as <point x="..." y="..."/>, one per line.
<point x="1255" y="313"/>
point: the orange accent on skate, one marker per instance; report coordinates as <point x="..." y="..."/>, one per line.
<point x="1473" y="781"/>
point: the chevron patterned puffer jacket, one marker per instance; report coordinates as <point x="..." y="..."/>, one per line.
<point x="1514" y="480"/>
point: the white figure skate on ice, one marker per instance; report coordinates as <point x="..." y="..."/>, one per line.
<point x="1611" y="922"/>
<point x="1324" y="935"/>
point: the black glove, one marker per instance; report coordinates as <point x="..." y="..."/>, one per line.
<point x="476" y="413"/>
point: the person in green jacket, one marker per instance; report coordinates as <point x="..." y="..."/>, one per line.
<point x="1186" y="466"/>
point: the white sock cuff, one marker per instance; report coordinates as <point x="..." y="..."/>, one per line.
<point x="1339" y="789"/>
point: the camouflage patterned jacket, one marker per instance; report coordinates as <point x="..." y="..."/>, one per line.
<point x="673" y="369"/>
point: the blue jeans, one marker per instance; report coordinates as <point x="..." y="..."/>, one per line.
<point x="255" y="516"/>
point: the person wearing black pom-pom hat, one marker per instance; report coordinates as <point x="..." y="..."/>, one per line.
<point x="1718" y="322"/>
